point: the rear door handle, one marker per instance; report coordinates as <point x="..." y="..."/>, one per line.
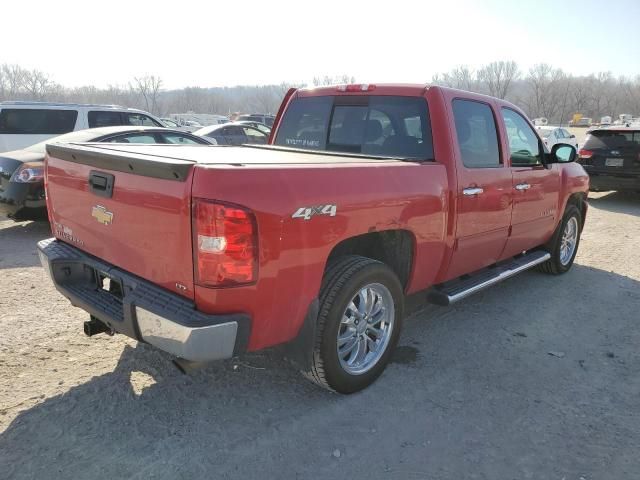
<point x="471" y="191"/>
<point x="522" y="187"/>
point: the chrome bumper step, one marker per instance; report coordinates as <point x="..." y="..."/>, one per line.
<point x="455" y="290"/>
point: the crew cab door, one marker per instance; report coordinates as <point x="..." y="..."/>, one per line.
<point x="484" y="189"/>
<point x="535" y="187"/>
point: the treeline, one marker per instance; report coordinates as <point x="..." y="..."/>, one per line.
<point x="542" y="91"/>
<point x="147" y="93"/>
<point x="546" y="91"/>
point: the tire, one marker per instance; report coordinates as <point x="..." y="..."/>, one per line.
<point x="344" y="280"/>
<point x="559" y="263"/>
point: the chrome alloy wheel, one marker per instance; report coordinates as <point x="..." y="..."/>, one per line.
<point x="365" y="329"/>
<point x="569" y="240"/>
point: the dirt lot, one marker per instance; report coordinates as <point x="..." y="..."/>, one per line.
<point x="473" y="392"/>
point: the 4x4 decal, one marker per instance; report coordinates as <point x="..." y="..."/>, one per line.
<point x="308" y="212"/>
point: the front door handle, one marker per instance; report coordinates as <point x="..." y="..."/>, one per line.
<point x="472" y="191"/>
<point x="522" y="187"/>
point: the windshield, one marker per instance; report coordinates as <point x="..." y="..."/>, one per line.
<point x="378" y="126"/>
<point x="79" y="136"/>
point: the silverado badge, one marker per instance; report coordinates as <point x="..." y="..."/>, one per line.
<point x="102" y="215"/>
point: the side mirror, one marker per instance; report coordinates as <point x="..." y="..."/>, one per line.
<point x="572" y="136"/>
<point x="562" y="153"/>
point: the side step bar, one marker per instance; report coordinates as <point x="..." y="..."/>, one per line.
<point x="455" y="290"/>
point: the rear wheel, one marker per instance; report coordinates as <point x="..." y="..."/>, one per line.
<point x="564" y="245"/>
<point x="361" y="308"/>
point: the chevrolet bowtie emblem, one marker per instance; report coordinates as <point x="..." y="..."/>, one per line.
<point x="102" y="215"/>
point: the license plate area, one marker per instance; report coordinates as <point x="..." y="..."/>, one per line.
<point x="614" y="162"/>
<point x="108" y="284"/>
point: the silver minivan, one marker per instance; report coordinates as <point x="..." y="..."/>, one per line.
<point x="27" y="123"/>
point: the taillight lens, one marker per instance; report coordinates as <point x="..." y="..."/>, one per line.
<point x="583" y="153"/>
<point x="225" y="244"/>
<point x="29" y="173"/>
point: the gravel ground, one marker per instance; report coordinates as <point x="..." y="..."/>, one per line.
<point x="538" y="377"/>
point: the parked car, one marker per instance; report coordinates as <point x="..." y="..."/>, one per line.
<point x="401" y="188"/>
<point x="233" y="134"/>
<point x="260" y="126"/>
<point x="257" y="117"/>
<point x="169" y="123"/>
<point x="200" y="119"/>
<point x="611" y="157"/>
<point x="581" y="122"/>
<point x="26" y="123"/>
<point x="552" y="135"/>
<point x="22" y="192"/>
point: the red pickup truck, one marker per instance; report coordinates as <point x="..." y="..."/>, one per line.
<point x="366" y="193"/>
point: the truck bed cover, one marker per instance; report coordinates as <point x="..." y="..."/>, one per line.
<point x="173" y="162"/>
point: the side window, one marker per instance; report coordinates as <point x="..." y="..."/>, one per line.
<point x="28" y="121"/>
<point x="140" y="120"/>
<point x="255" y="135"/>
<point x="523" y="142"/>
<point x="217" y="133"/>
<point x="176" y="138"/>
<point x="104" y="119"/>
<point x="477" y="134"/>
<point x="565" y="133"/>
<point x="236" y="131"/>
<point x="134" y="138"/>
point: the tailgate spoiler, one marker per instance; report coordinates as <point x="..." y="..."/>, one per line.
<point x="128" y="161"/>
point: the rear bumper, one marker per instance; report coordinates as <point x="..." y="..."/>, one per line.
<point x="604" y="181"/>
<point x="140" y="309"/>
<point x="19" y="198"/>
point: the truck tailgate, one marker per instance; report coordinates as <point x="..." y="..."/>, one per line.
<point x="127" y="209"/>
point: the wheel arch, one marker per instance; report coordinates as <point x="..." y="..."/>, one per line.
<point x="395" y="248"/>
<point x="579" y="199"/>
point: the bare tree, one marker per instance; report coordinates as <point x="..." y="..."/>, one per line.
<point x="14" y="79"/>
<point x="3" y="85"/>
<point x="546" y="90"/>
<point x="497" y="76"/>
<point x="461" y="77"/>
<point x="148" y="87"/>
<point x="36" y="84"/>
<point x="335" y="80"/>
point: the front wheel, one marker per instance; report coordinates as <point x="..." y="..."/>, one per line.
<point x="361" y="310"/>
<point x="564" y="245"/>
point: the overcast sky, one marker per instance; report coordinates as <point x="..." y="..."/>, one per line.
<point x="217" y="43"/>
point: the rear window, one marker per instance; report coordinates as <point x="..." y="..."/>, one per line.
<point x="28" y="121"/>
<point x="385" y="126"/>
<point x="612" y="139"/>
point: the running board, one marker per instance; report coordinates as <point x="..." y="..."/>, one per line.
<point x="455" y="290"/>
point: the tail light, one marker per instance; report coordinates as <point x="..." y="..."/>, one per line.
<point x="225" y="244"/>
<point x="583" y="153"/>
<point x="29" y="173"/>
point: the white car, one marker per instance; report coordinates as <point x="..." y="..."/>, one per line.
<point x="27" y="123"/>
<point x="552" y="135"/>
